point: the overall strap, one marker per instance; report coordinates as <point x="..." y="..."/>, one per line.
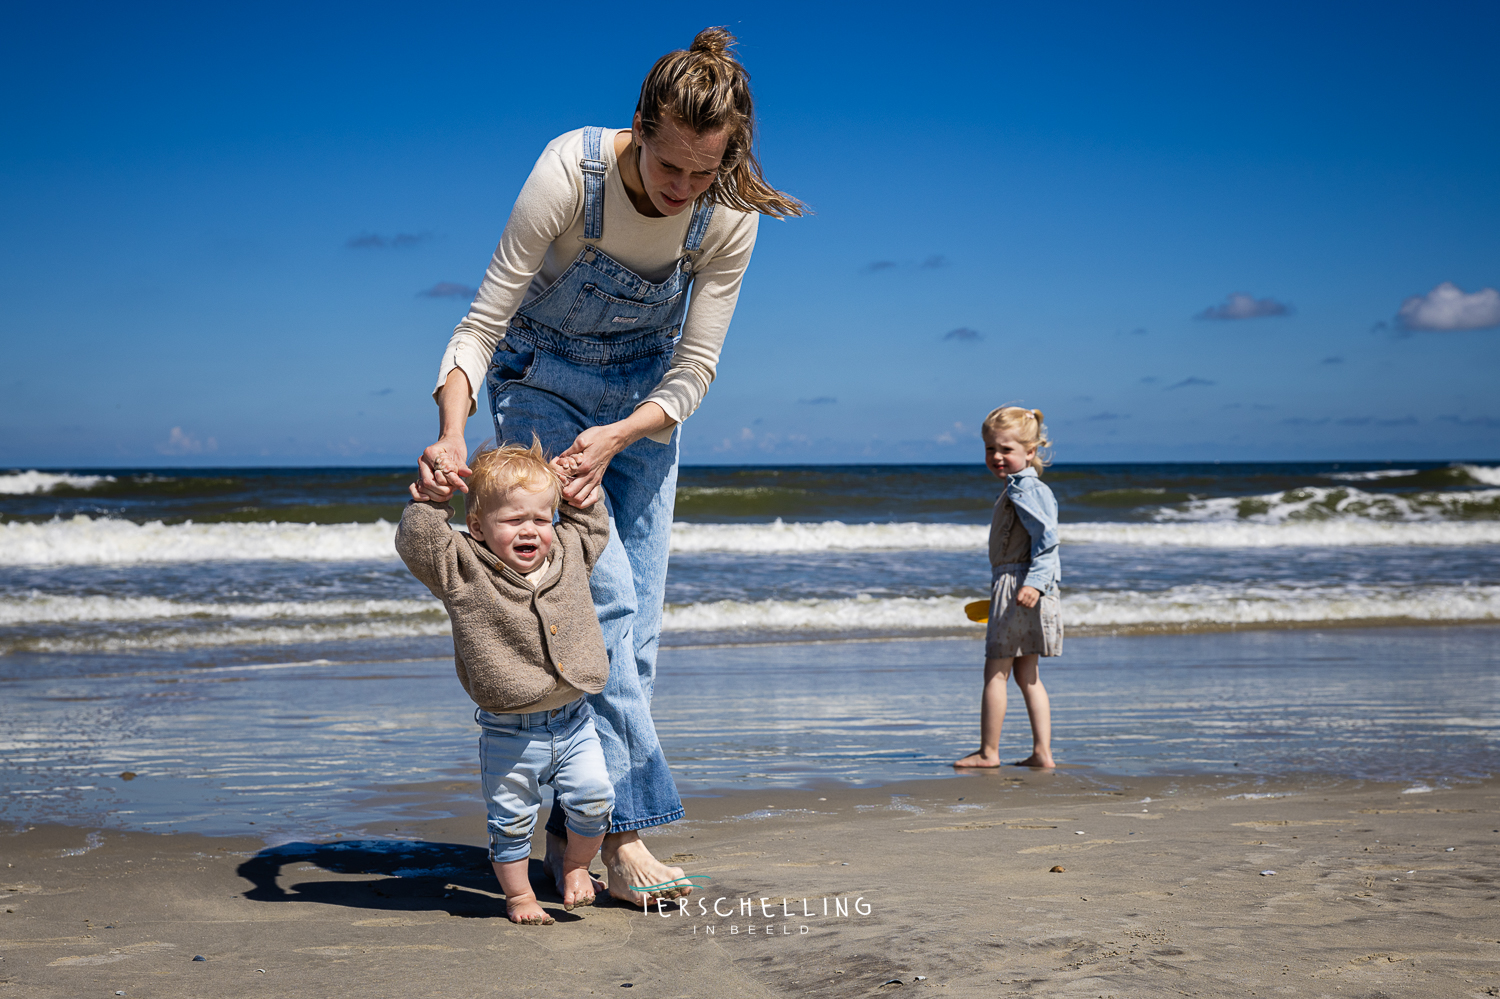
<point x="702" y="215"/>
<point x="593" y="168"/>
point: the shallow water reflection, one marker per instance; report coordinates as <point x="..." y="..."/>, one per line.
<point x="310" y="748"/>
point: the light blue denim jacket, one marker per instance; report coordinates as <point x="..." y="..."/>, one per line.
<point x="1036" y="508"/>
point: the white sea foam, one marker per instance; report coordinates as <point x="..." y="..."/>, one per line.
<point x="25" y="483"/>
<point x="165" y="640"/>
<point x="1207" y="606"/>
<point x="831" y="535"/>
<point x="1488" y="474"/>
<point x="102" y="624"/>
<point x="1184" y="607"/>
<point x="82" y="540"/>
<point x="1371" y="476"/>
<point x="1314" y="504"/>
<point x="780" y="537"/>
<point x="1316" y="534"/>
<point x="40" y="608"/>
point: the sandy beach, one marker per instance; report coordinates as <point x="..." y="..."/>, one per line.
<point x="938" y="885"/>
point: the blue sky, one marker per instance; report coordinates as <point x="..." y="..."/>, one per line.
<point x="220" y="224"/>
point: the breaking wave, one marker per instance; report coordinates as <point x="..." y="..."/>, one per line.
<point x="1209" y="524"/>
<point x="27" y="483"/>
<point x="105" y="624"/>
<point x="84" y="540"/>
<point x="41" y="608"/>
<point x="1183" y="608"/>
<point x="1311" y="504"/>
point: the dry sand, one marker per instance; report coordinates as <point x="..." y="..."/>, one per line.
<point x="949" y="880"/>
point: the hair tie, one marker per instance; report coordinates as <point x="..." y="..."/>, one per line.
<point x="1038" y="414"/>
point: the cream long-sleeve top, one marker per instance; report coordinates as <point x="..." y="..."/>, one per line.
<point x="543" y="236"/>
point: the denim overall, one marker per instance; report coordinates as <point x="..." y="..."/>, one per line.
<point x="585" y="352"/>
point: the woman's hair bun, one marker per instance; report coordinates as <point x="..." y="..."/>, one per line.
<point x="715" y="41"/>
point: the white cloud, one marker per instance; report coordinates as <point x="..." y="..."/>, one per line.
<point x="1242" y="306"/>
<point x="1446" y="307"/>
<point x="448" y="289"/>
<point x="178" y="442"/>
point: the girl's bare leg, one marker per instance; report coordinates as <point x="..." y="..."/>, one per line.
<point x="992" y="703"/>
<point x="520" y="901"/>
<point x="1038" y="709"/>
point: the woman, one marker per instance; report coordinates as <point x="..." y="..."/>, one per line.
<point x="583" y="334"/>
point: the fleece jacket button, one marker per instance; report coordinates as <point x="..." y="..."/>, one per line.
<point x="554" y="629"/>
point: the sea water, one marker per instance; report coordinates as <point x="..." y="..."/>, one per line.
<point x="245" y="640"/>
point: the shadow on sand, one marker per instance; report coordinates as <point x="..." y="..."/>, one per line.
<point x="393" y="875"/>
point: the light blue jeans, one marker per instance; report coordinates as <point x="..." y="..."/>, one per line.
<point x="518" y="753"/>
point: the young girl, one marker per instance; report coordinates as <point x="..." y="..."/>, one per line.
<point x="1024" y="621"/>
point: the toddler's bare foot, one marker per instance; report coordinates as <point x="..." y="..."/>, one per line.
<point x="631" y="866"/>
<point x="552" y="865"/>
<point x="524" y="909"/>
<point x="577" y="888"/>
<point x="979" y="759"/>
<point x="1039" y="760"/>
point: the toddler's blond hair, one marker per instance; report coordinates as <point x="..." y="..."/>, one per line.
<point x="499" y="469"/>
<point x="1026" y="426"/>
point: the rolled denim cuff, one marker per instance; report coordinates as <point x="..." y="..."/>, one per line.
<point x="588" y="827"/>
<point x="506" y="849"/>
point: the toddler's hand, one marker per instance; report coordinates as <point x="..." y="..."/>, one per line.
<point x="1028" y="596"/>
<point x="567" y="467"/>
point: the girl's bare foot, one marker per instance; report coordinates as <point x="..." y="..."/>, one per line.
<point x="632" y="867"/>
<point x="1039" y="760"/>
<point x="524" y="909"/>
<point x="979" y="759"/>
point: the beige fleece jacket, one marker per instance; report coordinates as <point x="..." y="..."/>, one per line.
<point x="517" y="648"/>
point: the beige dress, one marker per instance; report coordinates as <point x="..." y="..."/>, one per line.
<point x="1015" y="630"/>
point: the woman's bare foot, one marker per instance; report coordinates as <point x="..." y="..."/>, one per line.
<point x="1039" y="760"/>
<point x="979" y="759"/>
<point x="631" y="867"/>
<point x="524" y="909"/>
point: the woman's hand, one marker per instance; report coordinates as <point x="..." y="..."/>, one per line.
<point x="1028" y="596"/>
<point x="443" y="467"/>
<point x="587" y="460"/>
<point x="441" y="471"/>
<point x="593" y="450"/>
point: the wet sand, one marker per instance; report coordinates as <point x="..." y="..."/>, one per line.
<point x="948" y="880"/>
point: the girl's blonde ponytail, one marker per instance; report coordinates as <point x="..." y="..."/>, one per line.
<point x="1025" y="425"/>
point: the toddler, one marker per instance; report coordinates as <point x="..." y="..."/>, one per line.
<point x="527" y="647"/>
<point x="1024" y="618"/>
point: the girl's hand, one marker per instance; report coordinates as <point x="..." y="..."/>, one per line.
<point x="1028" y="596"/>
<point x="441" y="471"/>
<point x="587" y="460"/>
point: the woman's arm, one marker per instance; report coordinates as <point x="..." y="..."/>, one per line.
<point x="716" y="291"/>
<point x="546" y="207"/>
<point x="548" y="203"/>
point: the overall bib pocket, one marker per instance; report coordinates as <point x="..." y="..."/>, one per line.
<point x="599" y="314"/>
